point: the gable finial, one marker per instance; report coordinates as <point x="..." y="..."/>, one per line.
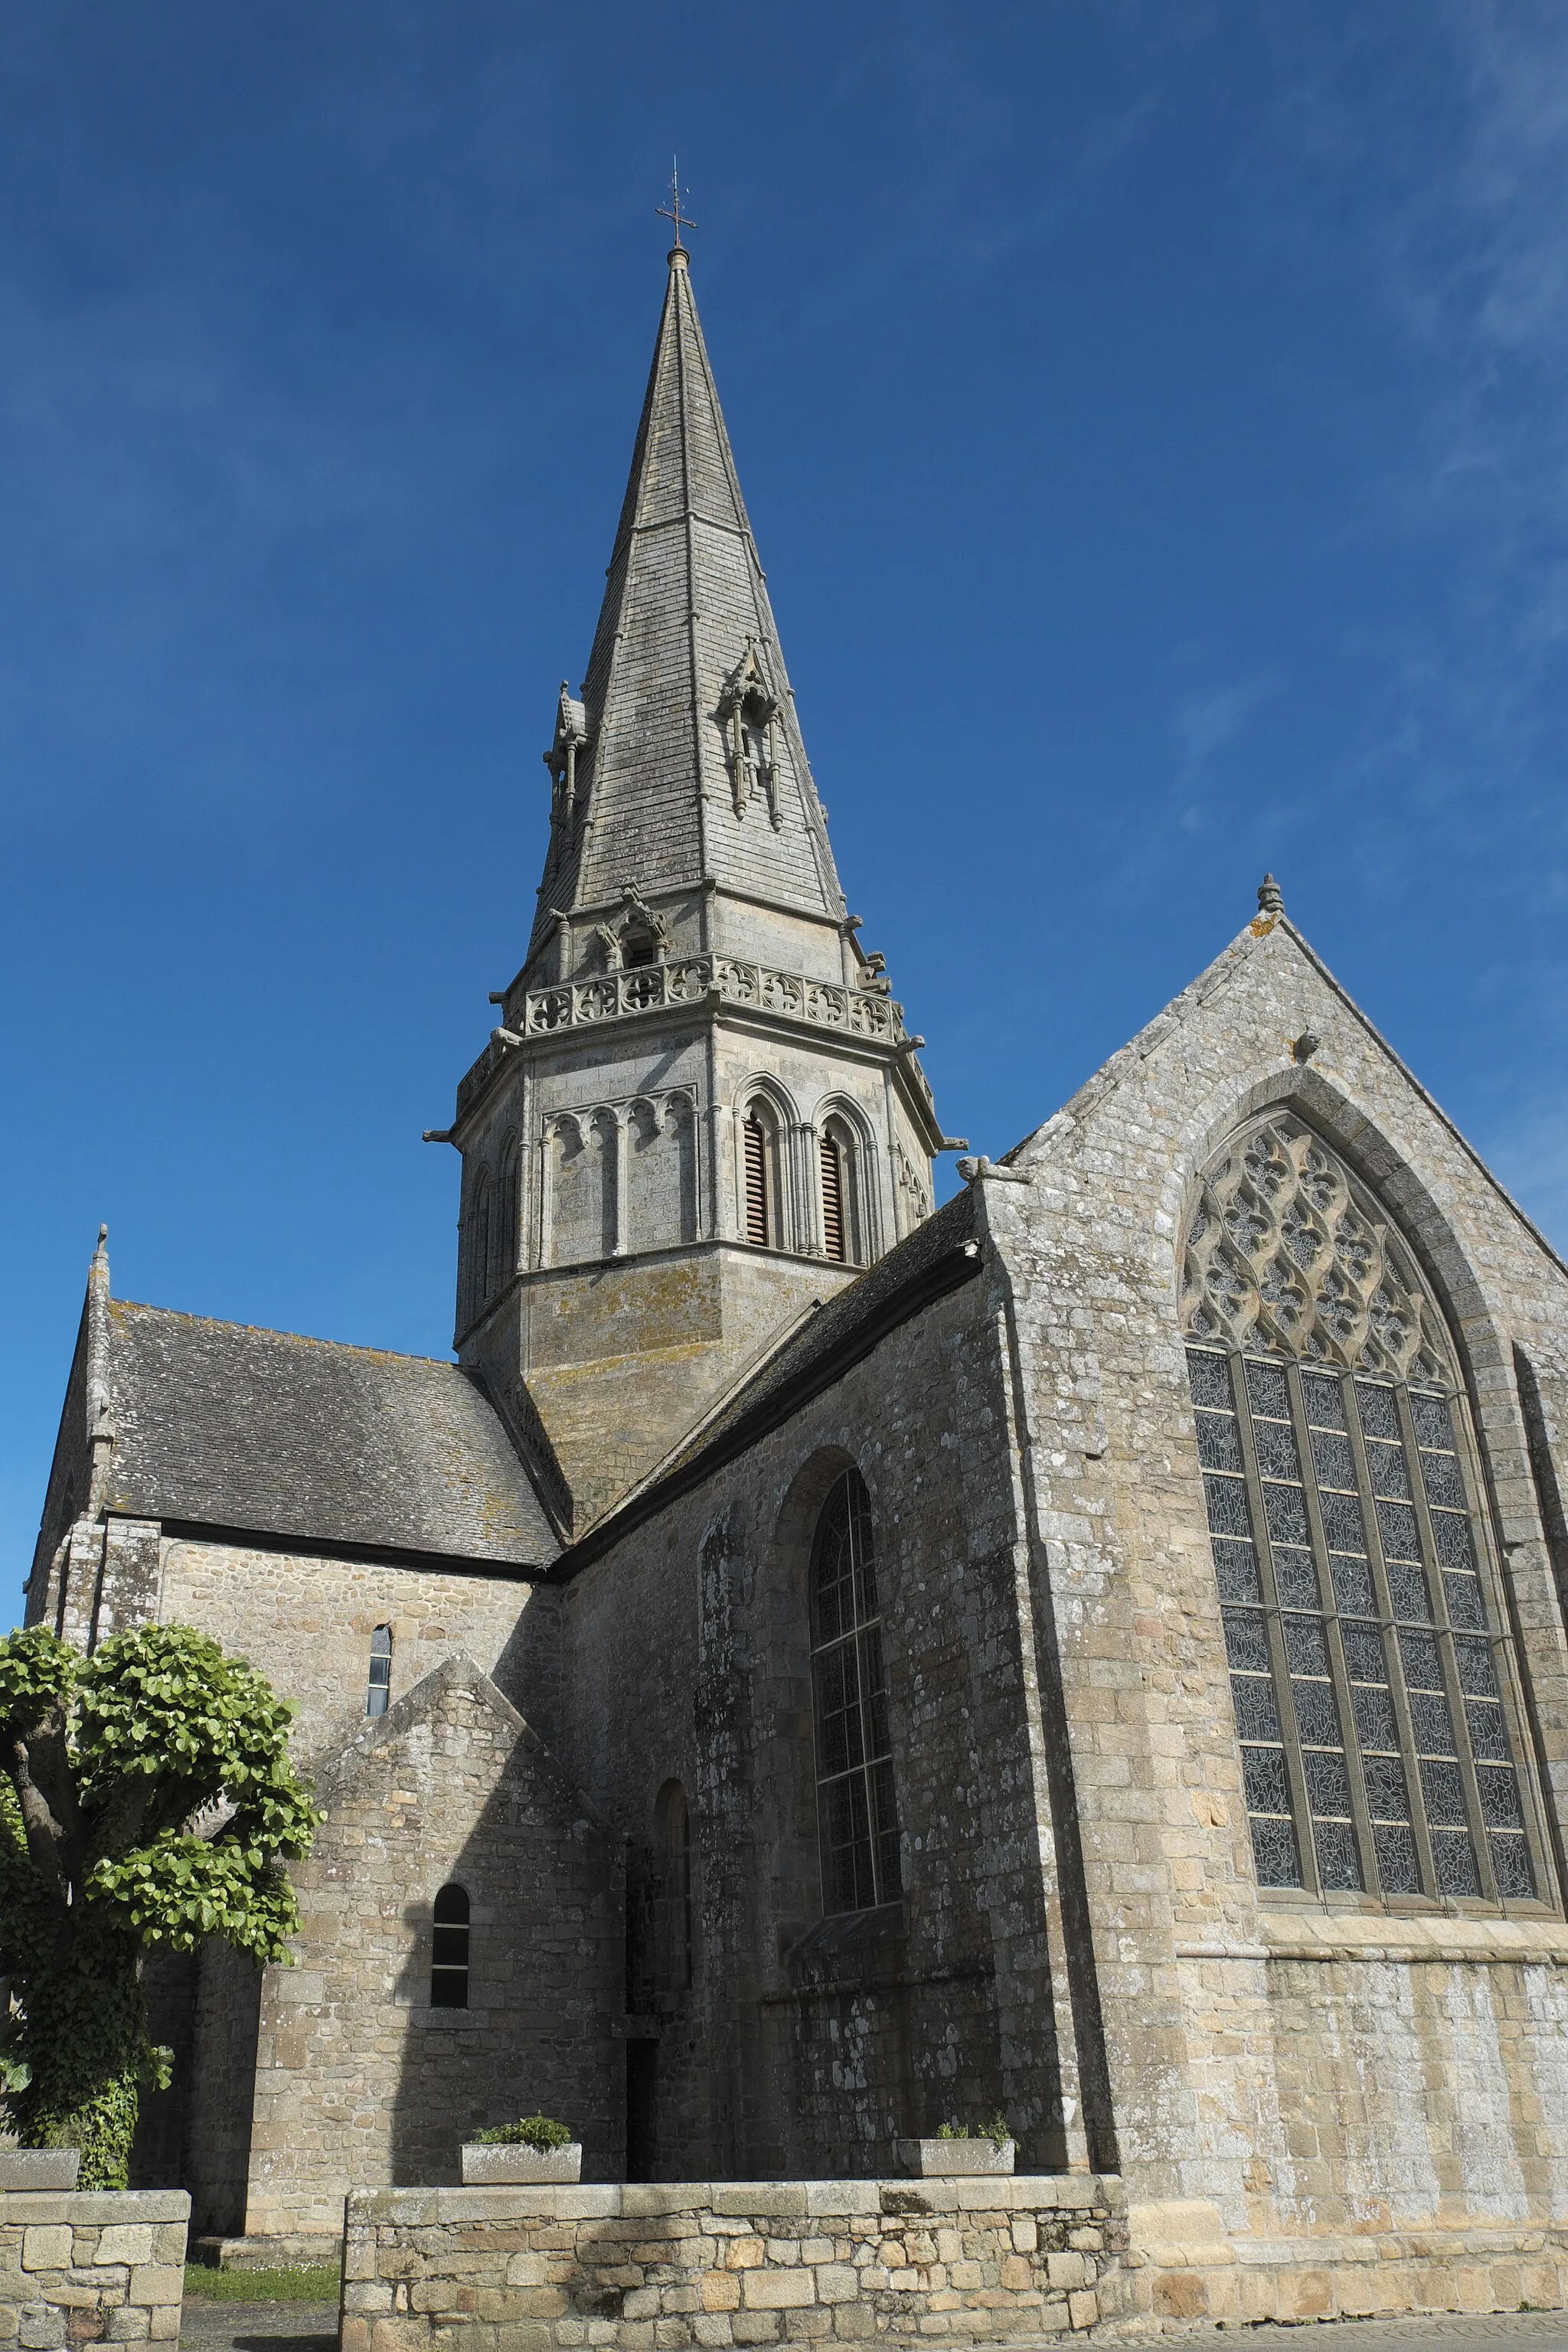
<point x="1269" y="901"/>
<point x="671" y="211"/>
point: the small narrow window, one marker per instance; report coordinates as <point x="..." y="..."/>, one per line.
<point x="378" y="1688"/>
<point x="833" y="1201"/>
<point x="759" y="1221"/>
<point x="449" y="1951"/>
<point x="638" y="947"/>
<point x="856" y="1813"/>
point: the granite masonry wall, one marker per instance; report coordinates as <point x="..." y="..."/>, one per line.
<point x="359" y="2079"/>
<point x="81" y="2267"/>
<point x="306" y="1624"/>
<point x="803" y="2047"/>
<point x="702" y="2264"/>
<point x="1368" y="2101"/>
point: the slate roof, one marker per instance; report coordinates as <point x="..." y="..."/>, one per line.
<point x="683" y="594"/>
<point x="225" y="1425"/>
<point x="936" y="1257"/>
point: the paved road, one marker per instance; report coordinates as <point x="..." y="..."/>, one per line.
<point x="1491" y="2331"/>
<point x="258" y="2326"/>
<point x="313" y="2328"/>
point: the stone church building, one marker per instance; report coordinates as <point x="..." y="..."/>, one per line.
<point x="815" y="1666"/>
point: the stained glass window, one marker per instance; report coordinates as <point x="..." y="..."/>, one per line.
<point x="856" y="1813"/>
<point x="1369" y="1674"/>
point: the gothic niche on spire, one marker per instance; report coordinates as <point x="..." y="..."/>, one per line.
<point x="571" y="735"/>
<point x="637" y="935"/>
<point x="749" y="714"/>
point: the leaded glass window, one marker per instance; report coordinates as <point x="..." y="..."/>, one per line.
<point x="856" y="1813"/>
<point x="1370" y="1677"/>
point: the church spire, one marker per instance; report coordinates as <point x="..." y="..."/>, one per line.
<point x="683" y="762"/>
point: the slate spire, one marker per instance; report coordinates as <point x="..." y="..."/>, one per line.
<point x="683" y="762"/>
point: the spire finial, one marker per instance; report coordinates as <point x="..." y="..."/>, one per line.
<point x="1269" y="901"/>
<point x="671" y="211"/>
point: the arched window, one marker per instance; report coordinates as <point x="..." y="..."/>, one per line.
<point x="674" y="1866"/>
<point x="504" y="1224"/>
<point x="479" y="1240"/>
<point x="839" y="1158"/>
<point x="449" y="1949"/>
<point x="856" y="1814"/>
<point x="759" y="1148"/>
<point x="1372" y="1675"/>
<point x="378" y="1686"/>
<point x="834" y="1241"/>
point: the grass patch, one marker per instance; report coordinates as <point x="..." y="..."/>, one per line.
<point x="306" y="2282"/>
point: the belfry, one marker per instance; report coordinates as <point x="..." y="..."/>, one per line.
<point x="1087" y="1660"/>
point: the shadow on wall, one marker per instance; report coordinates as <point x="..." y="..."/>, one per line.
<point x="511" y="1984"/>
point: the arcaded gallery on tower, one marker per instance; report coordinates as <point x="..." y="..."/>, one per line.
<point x="816" y="1663"/>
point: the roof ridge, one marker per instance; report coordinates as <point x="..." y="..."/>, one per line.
<point x="276" y="1331"/>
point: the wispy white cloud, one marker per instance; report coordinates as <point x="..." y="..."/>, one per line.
<point x="1204" y="724"/>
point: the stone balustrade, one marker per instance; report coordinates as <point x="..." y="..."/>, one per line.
<point x="678" y="981"/>
<point x="659" y="2268"/>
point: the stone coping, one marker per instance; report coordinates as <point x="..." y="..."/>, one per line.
<point x="901" y="2195"/>
<point x="35" y="2207"/>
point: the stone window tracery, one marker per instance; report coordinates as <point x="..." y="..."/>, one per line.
<point x="856" y="1810"/>
<point x="1372" y="1679"/>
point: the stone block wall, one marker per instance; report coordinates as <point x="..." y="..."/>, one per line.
<point x="84" y="2267"/>
<point x="710" y="2265"/>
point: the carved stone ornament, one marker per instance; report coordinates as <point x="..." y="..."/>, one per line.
<point x="1287" y="1250"/>
<point x="748" y="710"/>
<point x="571" y="735"/>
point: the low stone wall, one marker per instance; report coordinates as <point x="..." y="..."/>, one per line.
<point x="656" y="2268"/>
<point x="78" y="2265"/>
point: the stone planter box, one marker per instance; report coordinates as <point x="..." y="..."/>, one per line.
<point x="486" y="2165"/>
<point x="956" y="2159"/>
<point x="39" y="2169"/>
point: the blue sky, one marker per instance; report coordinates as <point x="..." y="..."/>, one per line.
<point x="1151" y="413"/>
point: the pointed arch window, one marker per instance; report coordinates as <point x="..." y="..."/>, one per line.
<point x="449" y="1949"/>
<point x="835" y="1239"/>
<point x="856" y="1810"/>
<point x="1372" y="1679"/>
<point x="839" y="1159"/>
<point x="760" y="1175"/>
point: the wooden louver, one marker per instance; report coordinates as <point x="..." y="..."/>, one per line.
<point x="756" y="1159"/>
<point x="832" y="1200"/>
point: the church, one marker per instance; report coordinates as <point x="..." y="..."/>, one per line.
<point x="817" y="1666"/>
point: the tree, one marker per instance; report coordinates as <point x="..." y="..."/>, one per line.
<point x="146" y="1800"/>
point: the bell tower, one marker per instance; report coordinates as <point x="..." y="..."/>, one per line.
<point x="700" y="1112"/>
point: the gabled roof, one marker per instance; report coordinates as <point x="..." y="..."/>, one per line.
<point x="685" y="606"/>
<point x="1270" y="930"/>
<point x="223" y="1426"/>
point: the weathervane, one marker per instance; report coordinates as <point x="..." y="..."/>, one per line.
<point x="672" y="210"/>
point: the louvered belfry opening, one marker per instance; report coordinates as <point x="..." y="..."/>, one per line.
<point x="756" y="1150"/>
<point x="832" y="1200"/>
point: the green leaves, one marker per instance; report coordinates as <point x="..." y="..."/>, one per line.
<point x="154" y="1780"/>
<point x="36" y="1674"/>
